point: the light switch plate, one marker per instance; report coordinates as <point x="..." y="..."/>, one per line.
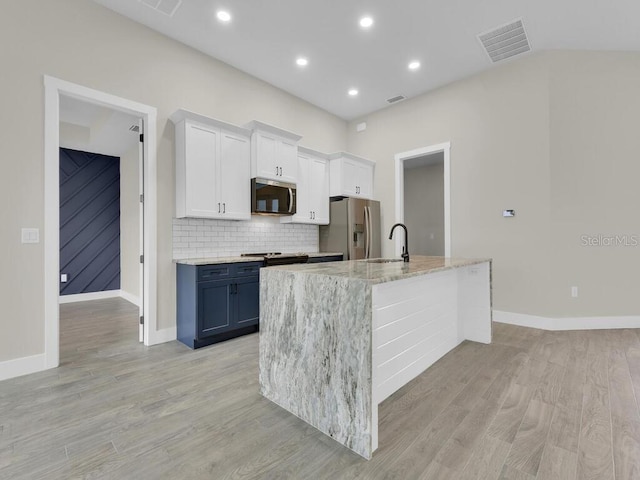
<point x="30" y="235"/>
<point x="63" y="278"/>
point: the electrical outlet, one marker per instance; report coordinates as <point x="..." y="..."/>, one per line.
<point x="574" y="292"/>
<point x="63" y="278"/>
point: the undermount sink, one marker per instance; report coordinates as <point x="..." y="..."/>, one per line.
<point x="383" y="260"/>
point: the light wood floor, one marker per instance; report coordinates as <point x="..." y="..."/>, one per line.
<point x="533" y="404"/>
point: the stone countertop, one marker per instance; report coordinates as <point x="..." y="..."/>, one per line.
<point x="374" y="273"/>
<point x="222" y="260"/>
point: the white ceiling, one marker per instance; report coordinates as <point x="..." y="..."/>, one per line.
<point x="265" y="37"/>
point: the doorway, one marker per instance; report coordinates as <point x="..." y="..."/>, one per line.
<point x="56" y="91"/>
<point x="423" y="200"/>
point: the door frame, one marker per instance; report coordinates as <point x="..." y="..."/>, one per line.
<point x="400" y="158"/>
<point x="53" y="89"/>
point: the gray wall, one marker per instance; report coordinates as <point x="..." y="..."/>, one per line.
<point x="424" y="208"/>
<point x="130" y="223"/>
<point x="552" y="135"/>
<point x="85" y="43"/>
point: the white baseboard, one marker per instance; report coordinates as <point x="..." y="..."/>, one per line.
<point x="86" y="297"/>
<point x="569" y="323"/>
<point x="22" y="366"/>
<point x="164" y="335"/>
<point x="129" y="297"/>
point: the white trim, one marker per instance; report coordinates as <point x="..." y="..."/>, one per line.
<point x="566" y="323"/>
<point x="87" y="297"/>
<point x="55" y="87"/>
<point x="22" y="366"/>
<point x="400" y="158"/>
<point x="166" y="334"/>
<point x="129" y="297"/>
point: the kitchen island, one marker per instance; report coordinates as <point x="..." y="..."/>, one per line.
<point x="338" y="338"/>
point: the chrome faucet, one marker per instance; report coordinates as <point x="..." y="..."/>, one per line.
<point x="405" y="249"/>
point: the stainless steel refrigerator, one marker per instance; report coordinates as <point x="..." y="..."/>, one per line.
<point x="354" y="229"/>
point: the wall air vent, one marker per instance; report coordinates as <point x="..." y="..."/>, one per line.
<point x="168" y="7"/>
<point x="505" y="41"/>
<point x="397" y="98"/>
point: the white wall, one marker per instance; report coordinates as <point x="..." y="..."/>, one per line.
<point x="82" y="42"/>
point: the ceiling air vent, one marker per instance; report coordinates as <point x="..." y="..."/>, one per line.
<point x="168" y="7"/>
<point x="505" y="41"/>
<point x="397" y="98"/>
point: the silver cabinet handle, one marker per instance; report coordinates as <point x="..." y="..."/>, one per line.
<point x="224" y="208"/>
<point x="218" y="207"/>
<point x="276" y="171"/>
<point x="280" y="171"/>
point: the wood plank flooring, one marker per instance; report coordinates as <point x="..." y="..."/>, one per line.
<point x="533" y="405"/>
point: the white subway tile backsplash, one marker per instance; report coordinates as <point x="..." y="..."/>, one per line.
<point x="198" y="238"/>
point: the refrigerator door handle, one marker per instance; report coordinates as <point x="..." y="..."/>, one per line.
<point x="367" y="230"/>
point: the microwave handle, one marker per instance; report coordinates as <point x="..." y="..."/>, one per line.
<point x="290" y="200"/>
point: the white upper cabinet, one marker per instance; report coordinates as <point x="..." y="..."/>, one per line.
<point x="351" y="176"/>
<point x="312" y="193"/>
<point x="274" y="153"/>
<point x="212" y="168"/>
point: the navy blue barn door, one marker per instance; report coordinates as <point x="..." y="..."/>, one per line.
<point x="89" y="222"/>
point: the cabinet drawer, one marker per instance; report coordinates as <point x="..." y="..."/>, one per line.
<point x="246" y="269"/>
<point x="213" y="272"/>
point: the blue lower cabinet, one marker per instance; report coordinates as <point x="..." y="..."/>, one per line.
<point x="247" y="300"/>
<point x="216" y="303"/>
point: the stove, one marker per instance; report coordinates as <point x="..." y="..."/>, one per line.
<point x="278" y="258"/>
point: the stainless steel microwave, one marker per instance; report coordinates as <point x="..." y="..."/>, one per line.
<point x="272" y="198"/>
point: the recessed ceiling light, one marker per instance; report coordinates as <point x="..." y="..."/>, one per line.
<point x="353" y="92"/>
<point x="415" y="65"/>
<point x="366" y="22"/>
<point x="302" y="62"/>
<point x="223" y="16"/>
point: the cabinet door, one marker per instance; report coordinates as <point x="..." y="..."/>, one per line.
<point x="235" y="176"/>
<point x="266" y="154"/>
<point x="350" y="176"/>
<point x="365" y="181"/>
<point x="247" y="301"/>
<point x="214" y="307"/>
<point x="201" y="151"/>
<point x="318" y="182"/>
<point x="287" y="161"/>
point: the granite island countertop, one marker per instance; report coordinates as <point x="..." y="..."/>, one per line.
<point x="338" y="338"/>
<point x="374" y="273"/>
<point x="221" y="260"/>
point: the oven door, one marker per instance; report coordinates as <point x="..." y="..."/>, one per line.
<point x="272" y="198"/>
